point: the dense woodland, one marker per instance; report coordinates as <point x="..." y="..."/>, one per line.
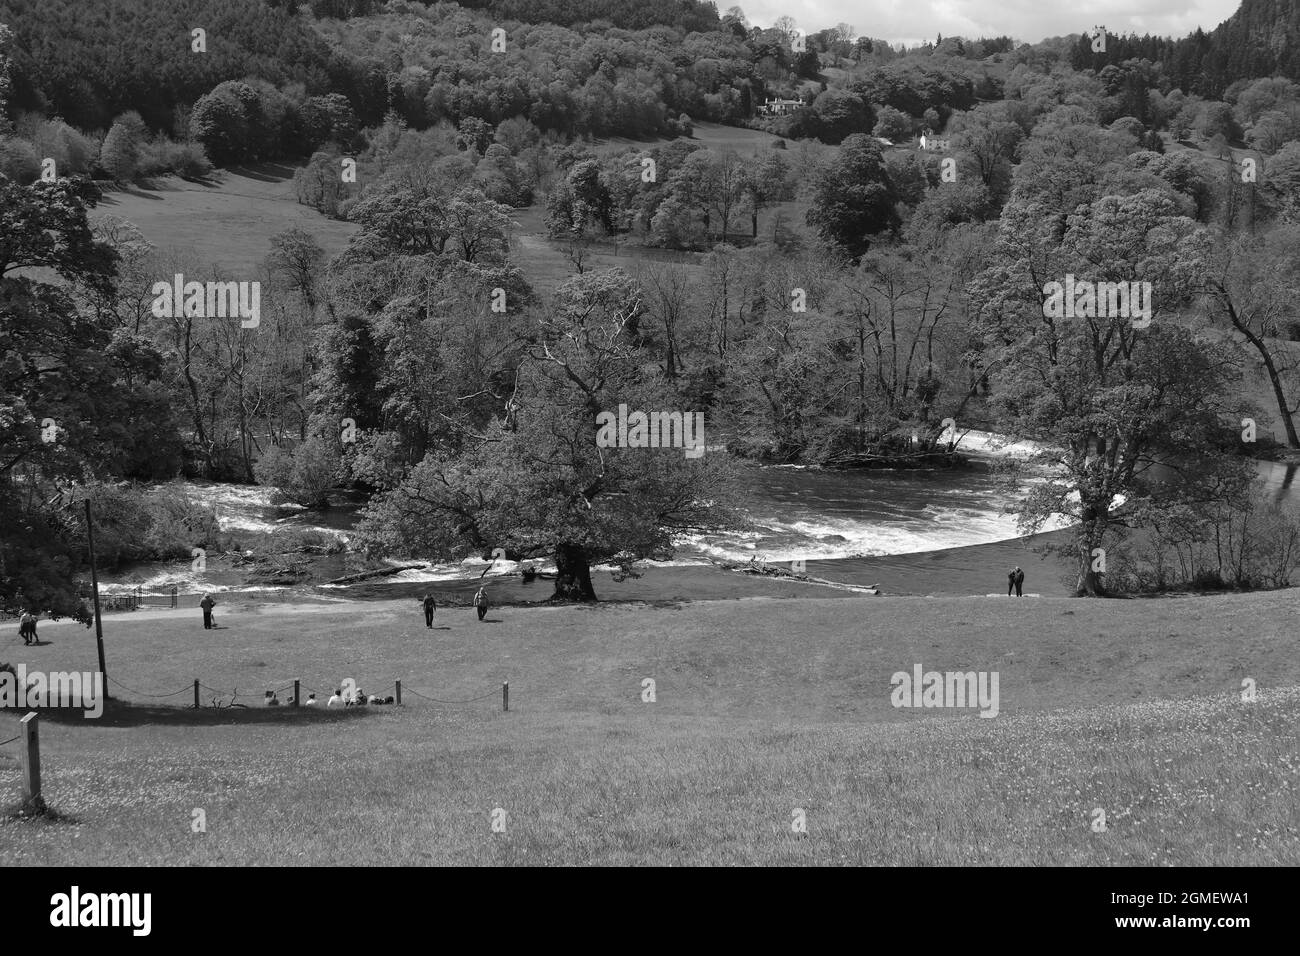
<point x="424" y="368"/>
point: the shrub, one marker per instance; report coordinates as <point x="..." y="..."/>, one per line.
<point x="137" y="523"/>
<point x="319" y="185"/>
<point x="119" y="154"/>
<point x="162" y="155"/>
<point x="1248" y="544"/>
<point x="284" y="540"/>
<point x="18" y="160"/>
<point x="304" y="475"/>
<point x="74" y="154"/>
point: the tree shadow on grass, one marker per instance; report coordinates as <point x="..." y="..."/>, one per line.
<point x="20" y="812"/>
<point x="140" y="192"/>
<point x="263" y="172"/>
<point x="121" y="713"/>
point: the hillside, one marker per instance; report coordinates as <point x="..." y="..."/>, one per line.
<point x="1133" y="707"/>
<point x="1261" y="39"/>
<point x="686" y="15"/>
<point x="228" y="222"/>
<point x="90" y="63"/>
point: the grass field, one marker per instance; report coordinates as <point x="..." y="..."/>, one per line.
<point x="713" y="135"/>
<point x="763" y="706"/>
<point x="229" y="222"/>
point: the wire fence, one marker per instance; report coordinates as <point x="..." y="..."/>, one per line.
<point x="436" y="700"/>
<point x="140" y="693"/>
<point x="5" y="743"/>
<point x="228" y="698"/>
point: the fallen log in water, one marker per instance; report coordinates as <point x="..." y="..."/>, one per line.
<point x="772" y="570"/>
<point x="377" y="573"/>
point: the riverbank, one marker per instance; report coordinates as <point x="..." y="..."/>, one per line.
<point x="973" y="570"/>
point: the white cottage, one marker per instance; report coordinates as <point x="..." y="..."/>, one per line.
<point x="780" y="107"/>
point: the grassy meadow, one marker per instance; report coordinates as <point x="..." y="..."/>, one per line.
<point x="227" y="222"/>
<point x="762" y="706"/>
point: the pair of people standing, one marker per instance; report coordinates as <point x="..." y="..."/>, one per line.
<point x="480" y="604"/>
<point x="1015" y="579"/>
<point x="27" y="628"/>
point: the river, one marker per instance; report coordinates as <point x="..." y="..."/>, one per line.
<point x="794" y="514"/>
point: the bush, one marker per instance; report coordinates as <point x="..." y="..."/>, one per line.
<point x="893" y="125"/>
<point x="162" y="155"/>
<point x="319" y="185"/>
<point x="1243" y="545"/>
<point x="18" y="160"/>
<point x="304" y="476"/>
<point x="74" y="154"/>
<point x="138" y="523"/>
<point x="285" y="540"/>
<point x="119" y="154"/>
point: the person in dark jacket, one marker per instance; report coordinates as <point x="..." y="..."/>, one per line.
<point x="481" y="602"/>
<point x="1014" y="580"/>
<point x="430" y="605"/>
<point x="207" y="604"/>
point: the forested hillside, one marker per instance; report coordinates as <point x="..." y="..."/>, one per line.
<point x="1261" y="39"/>
<point x="826" y="245"/>
<point x="90" y="62"/>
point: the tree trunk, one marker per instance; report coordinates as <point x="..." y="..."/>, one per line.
<point x="199" y="432"/>
<point x="1279" y="395"/>
<point x="1090" y="582"/>
<point x="573" y="574"/>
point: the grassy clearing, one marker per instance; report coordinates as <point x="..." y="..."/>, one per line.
<point x="713" y="135"/>
<point x="762" y="706"/>
<point x="228" y="223"/>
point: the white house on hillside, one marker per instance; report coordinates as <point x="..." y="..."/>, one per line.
<point x="930" y="142"/>
<point x="779" y="107"/>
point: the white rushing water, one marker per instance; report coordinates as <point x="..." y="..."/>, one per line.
<point x="795" y="513"/>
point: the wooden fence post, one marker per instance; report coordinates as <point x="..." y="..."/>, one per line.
<point x="32" y="762"/>
<point x="399" y="693"/>
<point x="297" y="693"/>
<point x="196" y="693"/>
<point x="505" y="695"/>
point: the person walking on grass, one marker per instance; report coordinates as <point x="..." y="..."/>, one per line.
<point x="27" y="628"/>
<point x="207" y="604"/>
<point x="481" y="602"/>
<point x="430" y="605"/>
<point x="1015" y="580"/>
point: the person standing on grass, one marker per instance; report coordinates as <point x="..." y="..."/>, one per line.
<point x="481" y="602"/>
<point x="207" y="604"/>
<point x="430" y="605"/>
<point x="27" y="627"/>
<point x="1015" y="580"/>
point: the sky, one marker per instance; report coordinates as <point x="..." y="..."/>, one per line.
<point x="913" y="21"/>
